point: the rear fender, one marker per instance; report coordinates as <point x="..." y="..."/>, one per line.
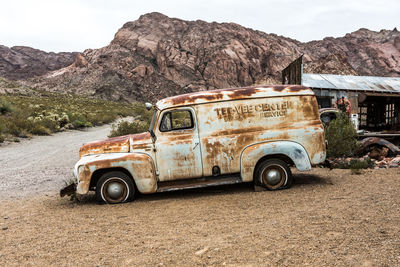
<point x="253" y="153"/>
<point x="139" y="165"/>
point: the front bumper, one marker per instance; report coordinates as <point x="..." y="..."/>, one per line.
<point x="68" y="190"/>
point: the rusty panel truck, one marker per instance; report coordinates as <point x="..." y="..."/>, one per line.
<point x="251" y="134"/>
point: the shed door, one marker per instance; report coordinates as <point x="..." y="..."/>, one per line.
<point x="178" y="151"/>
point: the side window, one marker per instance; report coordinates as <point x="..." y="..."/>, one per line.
<point x="176" y="120"/>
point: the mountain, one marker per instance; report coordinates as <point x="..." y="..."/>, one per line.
<point x="367" y="52"/>
<point x="157" y="56"/>
<point x="21" y="62"/>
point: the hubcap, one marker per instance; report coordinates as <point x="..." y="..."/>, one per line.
<point x="115" y="190"/>
<point x="273" y="177"/>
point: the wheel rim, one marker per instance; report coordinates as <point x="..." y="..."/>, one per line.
<point x="115" y="190"/>
<point x="274" y="176"/>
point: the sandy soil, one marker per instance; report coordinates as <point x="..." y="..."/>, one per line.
<point x="327" y="218"/>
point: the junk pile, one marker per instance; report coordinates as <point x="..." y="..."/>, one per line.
<point x="373" y="152"/>
<point x="386" y="154"/>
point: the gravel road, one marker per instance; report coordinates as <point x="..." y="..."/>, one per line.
<point x="42" y="164"/>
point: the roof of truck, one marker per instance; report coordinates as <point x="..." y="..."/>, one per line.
<point x="233" y="94"/>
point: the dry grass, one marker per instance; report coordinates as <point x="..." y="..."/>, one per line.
<point x="44" y="114"/>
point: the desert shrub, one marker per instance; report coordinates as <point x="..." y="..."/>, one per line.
<point x="140" y="124"/>
<point x="12" y="128"/>
<point x="2" y="137"/>
<point x="356" y="163"/>
<point x="79" y="123"/>
<point x="50" y="124"/>
<point x="45" y="113"/>
<point x="78" y="120"/>
<point x="39" y="129"/>
<point x="342" y="137"/>
<point x="5" y="107"/>
<point x="125" y="127"/>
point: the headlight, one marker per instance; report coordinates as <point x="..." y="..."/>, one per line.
<point x="80" y="169"/>
<point x="77" y="171"/>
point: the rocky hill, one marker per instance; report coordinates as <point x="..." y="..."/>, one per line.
<point x="367" y="52"/>
<point x="157" y="56"/>
<point x="21" y="62"/>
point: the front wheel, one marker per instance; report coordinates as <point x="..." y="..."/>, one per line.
<point x="274" y="174"/>
<point x="115" y="187"/>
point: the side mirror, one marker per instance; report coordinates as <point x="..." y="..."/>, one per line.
<point x="148" y="105"/>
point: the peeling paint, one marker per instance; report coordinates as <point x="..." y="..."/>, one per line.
<point x="231" y="129"/>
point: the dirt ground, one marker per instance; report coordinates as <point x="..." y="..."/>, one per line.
<point x="326" y="218"/>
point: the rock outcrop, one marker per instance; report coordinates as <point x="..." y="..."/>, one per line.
<point x="157" y="56"/>
<point x="21" y="62"/>
<point x="367" y="52"/>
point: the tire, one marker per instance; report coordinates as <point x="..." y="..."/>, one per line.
<point x="280" y="176"/>
<point x="115" y="187"/>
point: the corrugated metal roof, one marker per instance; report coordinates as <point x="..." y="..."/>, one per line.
<point x="352" y="83"/>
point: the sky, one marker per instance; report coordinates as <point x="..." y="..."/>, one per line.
<point x="75" y="25"/>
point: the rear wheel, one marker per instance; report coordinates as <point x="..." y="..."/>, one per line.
<point x="115" y="187"/>
<point x="274" y="174"/>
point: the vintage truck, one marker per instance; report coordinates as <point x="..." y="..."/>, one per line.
<point x="251" y="134"/>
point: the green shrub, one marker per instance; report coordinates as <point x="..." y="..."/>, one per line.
<point x="5" y="107"/>
<point x="342" y="137"/>
<point x="45" y="113"/>
<point x="12" y="128"/>
<point x="357" y="163"/>
<point x="39" y="129"/>
<point x="2" y="138"/>
<point x="125" y="127"/>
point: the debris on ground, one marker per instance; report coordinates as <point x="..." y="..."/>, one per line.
<point x="366" y="162"/>
<point x="373" y="153"/>
<point x="388" y="163"/>
<point x="377" y="148"/>
<point x="378" y="153"/>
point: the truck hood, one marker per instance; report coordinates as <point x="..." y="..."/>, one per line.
<point x="118" y="144"/>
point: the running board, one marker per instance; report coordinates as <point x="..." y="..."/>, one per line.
<point x="197" y="183"/>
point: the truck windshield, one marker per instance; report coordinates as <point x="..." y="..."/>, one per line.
<point x="153" y="120"/>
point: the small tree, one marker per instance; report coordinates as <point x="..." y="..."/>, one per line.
<point x="341" y="136"/>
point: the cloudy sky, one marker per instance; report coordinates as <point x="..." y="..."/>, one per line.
<point x="74" y="25"/>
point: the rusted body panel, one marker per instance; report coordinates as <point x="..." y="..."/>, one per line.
<point x="178" y="152"/>
<point x="232" y="94"/>
<point x="254" y="153"/>
<point x="115" y="144"/>
<point x="226" y="128"/>
<point x="229" y="132"/>
<point x="139" y="165"/>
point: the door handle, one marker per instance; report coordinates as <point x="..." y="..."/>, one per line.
<point x="196" y="144"/>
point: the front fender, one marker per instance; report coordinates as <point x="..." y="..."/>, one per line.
<point x="253" y="153"/>
<point x="139" y="165"/>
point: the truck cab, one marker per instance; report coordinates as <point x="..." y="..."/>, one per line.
<point x="250" y="134"/>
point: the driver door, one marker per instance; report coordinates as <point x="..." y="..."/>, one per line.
<point x="178" y="152"/>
